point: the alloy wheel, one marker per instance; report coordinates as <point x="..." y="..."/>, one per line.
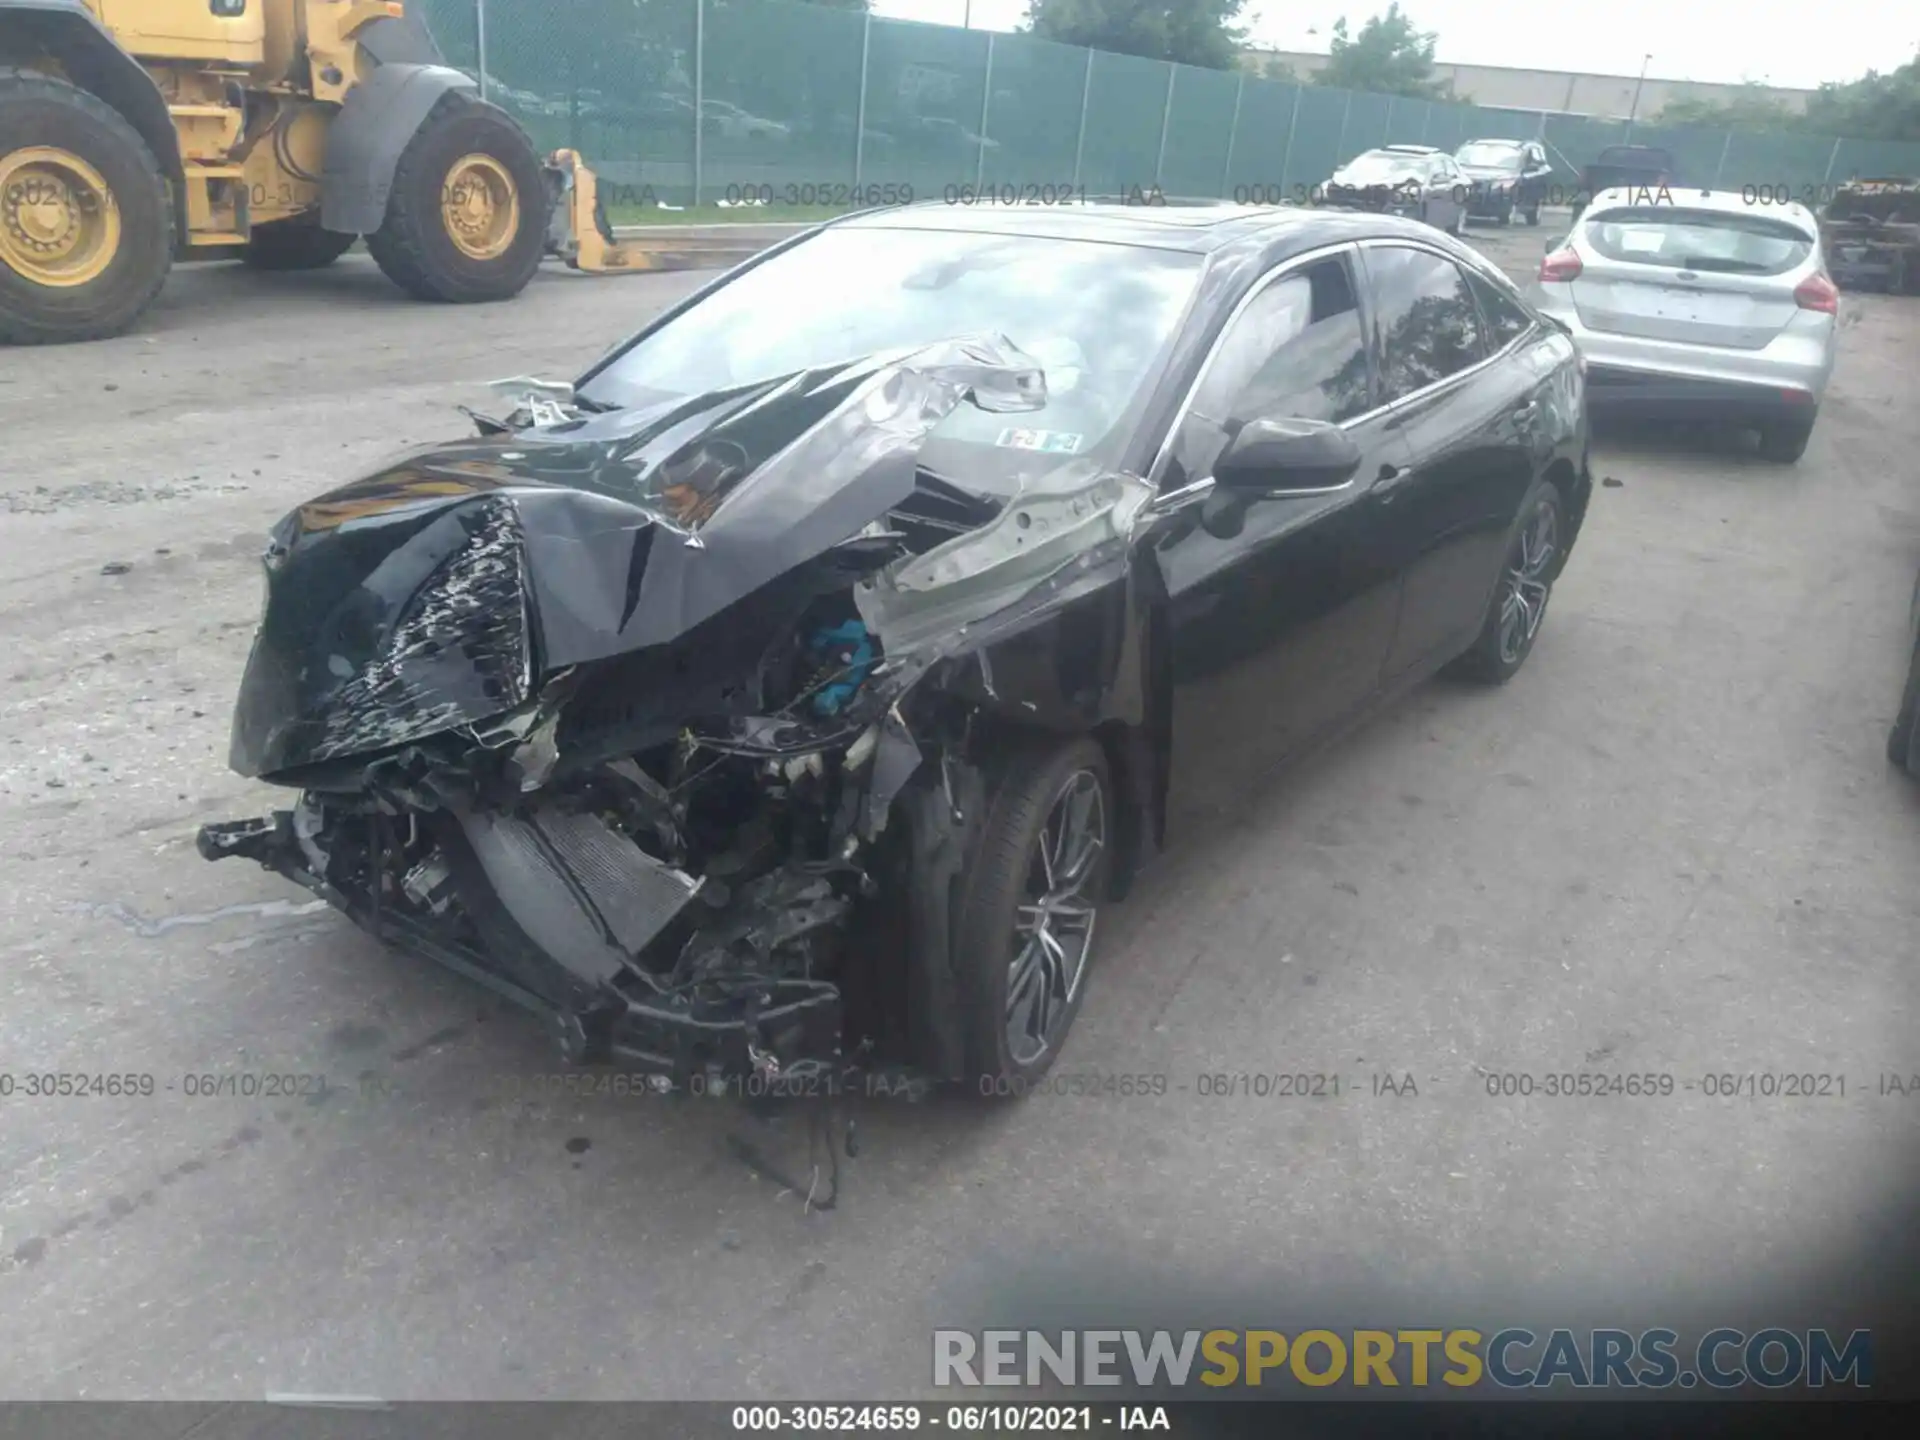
<point x="1054" y="918"/>
<point x="1525" y="586"/>
<point x="59" y="225"/>
<point x="480" y="207"/>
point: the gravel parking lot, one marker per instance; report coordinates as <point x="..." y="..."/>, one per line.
<point x="1671" y="846"/>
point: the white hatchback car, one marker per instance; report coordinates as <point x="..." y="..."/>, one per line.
<point x="1696" y="304"/>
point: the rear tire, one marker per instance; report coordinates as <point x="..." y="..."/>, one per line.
<point x="295" y="245"/>
<point x="1903" y="740"/>
<point x="1785" y="441"/>
<point x="1526" y="579"/>
<point x="501" y="236"/>
<point x="1033" y="782"/>
<point x="75" y="265"/>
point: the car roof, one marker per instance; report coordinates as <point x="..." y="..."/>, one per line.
<point x="1725" y="202"/>
<point x="1409" y="150"/>
<point x="1198" y="229"/>
<point x="1497" y="140"/>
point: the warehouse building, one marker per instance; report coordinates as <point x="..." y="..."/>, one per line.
<point x="1554" y="92"/>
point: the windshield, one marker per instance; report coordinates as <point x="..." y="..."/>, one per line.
<point x="1489" y="155"/>
<point x="1377" y="167"/>
<point x="1096" y="316"/>
<point x="1698" y="240"/>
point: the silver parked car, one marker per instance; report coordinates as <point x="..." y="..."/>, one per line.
<point x="1416" y="181"/>
<point x="1698" y="305"/>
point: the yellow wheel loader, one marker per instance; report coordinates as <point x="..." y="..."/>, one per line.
<point x="135" y="132"/>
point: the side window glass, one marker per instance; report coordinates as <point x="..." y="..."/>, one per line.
<point x="1427" y="326"/>
<point x="1507" y="319"/>
<point x="1296" y="352"/>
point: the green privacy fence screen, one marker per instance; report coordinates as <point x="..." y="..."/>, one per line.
<point x="688" y="101"/>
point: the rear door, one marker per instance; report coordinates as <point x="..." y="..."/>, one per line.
<point x="1696" y="277"/>
<point x="1463" y="398"/>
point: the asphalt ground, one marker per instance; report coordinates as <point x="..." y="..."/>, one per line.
<point x="1671" y="846"/>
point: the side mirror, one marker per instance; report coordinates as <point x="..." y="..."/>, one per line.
<point x="1287" y="457"/>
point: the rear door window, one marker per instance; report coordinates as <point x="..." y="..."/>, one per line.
<point x="1706" y="240"/>
<point x="1427" y="326"/>
<point x="1507" y="319"/>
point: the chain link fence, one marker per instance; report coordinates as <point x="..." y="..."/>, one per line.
<point x="683" y="102"/>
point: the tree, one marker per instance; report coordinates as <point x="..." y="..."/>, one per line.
<point x="1388" y="57"/>
<point x="1193" y="32"/>
<point x="1752" y="109"/>
<point x="1874" y="107"/>
<point x="1268" y="67"/>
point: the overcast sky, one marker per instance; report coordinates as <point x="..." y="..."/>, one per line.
<point x="1777" y="42"/>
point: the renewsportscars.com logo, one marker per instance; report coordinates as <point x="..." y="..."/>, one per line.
<point x="1513" y="1359"/>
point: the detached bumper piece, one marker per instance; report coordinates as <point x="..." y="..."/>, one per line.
<point x="551" y="909"/>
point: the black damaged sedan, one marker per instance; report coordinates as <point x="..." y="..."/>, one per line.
<point x="791" y="696"/>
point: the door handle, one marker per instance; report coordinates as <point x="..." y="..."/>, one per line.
<point x="1387" y="482"/>
<point x="1526" y="414"/>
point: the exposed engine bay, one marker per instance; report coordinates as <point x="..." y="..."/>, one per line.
<point x="670" y="725"/>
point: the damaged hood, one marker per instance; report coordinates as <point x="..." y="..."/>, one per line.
<point x="438" y="592"/>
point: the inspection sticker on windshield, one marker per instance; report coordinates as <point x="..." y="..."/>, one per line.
<point x="1053" y="442"/>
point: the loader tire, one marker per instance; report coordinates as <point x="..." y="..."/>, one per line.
<point x="86" y="220"/>
<point x="294" y="245"/>
<point x="466" y="220"/>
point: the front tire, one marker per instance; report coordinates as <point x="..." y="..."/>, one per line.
<point x="466" y="220"/>
<point x="1519" y="602"/>
<point x="1025" y="929"/>
<point x="295" y="245"/>
<point x="86" y="220"/>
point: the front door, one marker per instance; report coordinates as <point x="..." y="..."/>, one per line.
<point x="1282" y="608"/>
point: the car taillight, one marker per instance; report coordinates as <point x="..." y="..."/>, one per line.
<point x="1560" y="265"/>
<point x="1817" y="292"/>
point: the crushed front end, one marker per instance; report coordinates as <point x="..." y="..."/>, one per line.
<point x="610" y="713"/>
